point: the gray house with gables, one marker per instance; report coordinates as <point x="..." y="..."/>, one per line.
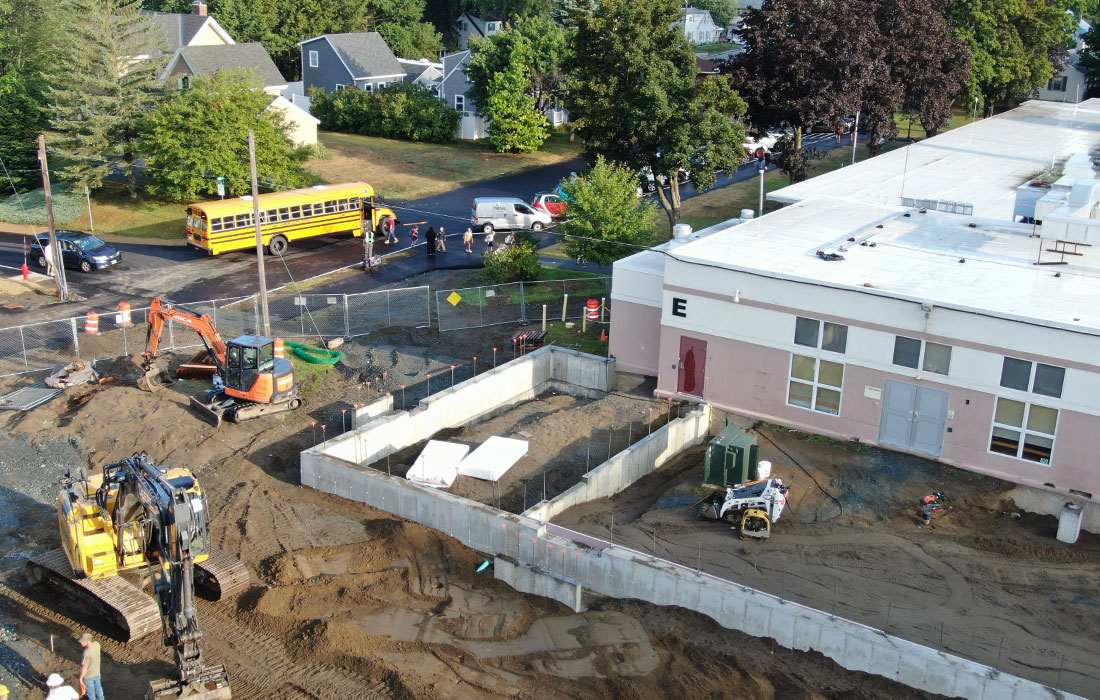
<point x="361" y="60"/>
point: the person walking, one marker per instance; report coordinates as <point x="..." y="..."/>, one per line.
<point x="415" y="234"/>
<point x="47" y="252"/>
<point x="58" y="689"/>
<point x="489" y="241"/>
<point x="90" y="678"/>
<point x="441" y="240"/>
<point x="837" y="132"/>
<point x="429" y="241"/>
<point x="391" y="230"/>
<point x="468" y="239"/>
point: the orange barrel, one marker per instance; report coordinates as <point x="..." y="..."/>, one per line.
<point x="123" y="319"/>
<point x="91" y="323"/>
<point x="279" y="351"/>
<point x="592" y="311"/>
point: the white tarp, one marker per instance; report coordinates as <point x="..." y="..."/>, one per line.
<point x="493" y="458"/>
<point x="437" y="465"/>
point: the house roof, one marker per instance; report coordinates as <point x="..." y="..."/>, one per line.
<point x="707" y="66"/>
<point x="207" y="60"/>
<point x="452" y="62"/>
<point x="179" y="29"/>
<point x="365" y="54"/>
<point x="290" y="108"/>
<point x="695" y="11"/>
<point x="421" y="69"/>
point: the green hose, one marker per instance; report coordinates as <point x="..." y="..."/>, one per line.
<point x="316" y="356"/>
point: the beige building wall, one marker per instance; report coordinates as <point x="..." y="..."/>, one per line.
<point x="207" y="37"/>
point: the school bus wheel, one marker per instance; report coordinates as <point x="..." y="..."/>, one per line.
<point x="383" y="226"/>
<point x="277" y="245"/>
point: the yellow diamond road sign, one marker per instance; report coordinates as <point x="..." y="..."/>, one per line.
<point x="454" y="298"/>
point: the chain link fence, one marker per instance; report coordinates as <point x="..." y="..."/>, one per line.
<point x="42" y="346"/>
<point x="516" y="302"/>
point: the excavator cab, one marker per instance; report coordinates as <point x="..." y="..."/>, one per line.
<point x="253" y="373"/>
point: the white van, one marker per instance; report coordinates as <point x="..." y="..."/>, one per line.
<point x="503" y="213"/>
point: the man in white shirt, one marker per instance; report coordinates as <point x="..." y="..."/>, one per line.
<point x="47" y="252"/>
<point x="59" y="691"/>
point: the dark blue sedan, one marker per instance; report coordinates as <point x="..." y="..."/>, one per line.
<point x="81" y="251"/>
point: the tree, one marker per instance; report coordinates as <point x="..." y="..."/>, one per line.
<point x="512" y="263"/>
<point x="805" y="63"/>
<point x="607" y="220"/>
<point x="635" y="98"/>
<point x="544" y="43"/>
<point x="202" y="132"/>
<point x="1090" y="60"/>
<point x="19" y="129"/>
<point x="1015" y="45"/>
<point x="509" y="10"/>
<point x="721" y="11"/>
<point x="103" y="89"/>
<point x="515" y="123"/>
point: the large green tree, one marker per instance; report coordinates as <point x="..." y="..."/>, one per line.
<point x="108" y="80"/>
<point x="635" y="98"/>
<point x="1090" y="60"/>
<point x="606" y="220"/>
<point x="515" y="123"/>
<point x="543" y="44"/>
<point x="1015" y="45"/>
<point x="721" y="11"/>
<point x="202" y="133"/>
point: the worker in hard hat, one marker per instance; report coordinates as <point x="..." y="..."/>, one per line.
<point x="58" y="689"/>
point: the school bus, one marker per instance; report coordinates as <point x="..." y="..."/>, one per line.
<point x="225" y="225"/>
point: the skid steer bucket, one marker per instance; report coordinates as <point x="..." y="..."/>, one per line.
<point x="154" y="379"/>
<point x="203" y="410"/>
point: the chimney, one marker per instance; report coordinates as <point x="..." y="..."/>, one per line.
<point x="198" y="8"/>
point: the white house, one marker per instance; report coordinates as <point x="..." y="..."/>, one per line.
<point x="699" y="26"/>
<point x="897" y="302"/>
<point x="469" y="25"/>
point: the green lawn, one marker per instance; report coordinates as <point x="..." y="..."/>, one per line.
<point x="115" y="212"/>
<point x="710" y="49"/>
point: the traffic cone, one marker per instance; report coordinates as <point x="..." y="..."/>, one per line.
<point x="603" y="335"/>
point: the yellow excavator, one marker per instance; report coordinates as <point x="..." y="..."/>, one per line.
<point x="146" y="523"/>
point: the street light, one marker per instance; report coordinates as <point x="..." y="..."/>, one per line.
<point x="763" y="168"/>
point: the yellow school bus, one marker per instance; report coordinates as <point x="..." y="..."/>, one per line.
<point x="225" y="225"/>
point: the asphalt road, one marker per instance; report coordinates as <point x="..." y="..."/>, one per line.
<point x="171" y="269"/>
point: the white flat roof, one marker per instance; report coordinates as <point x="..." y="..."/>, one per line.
<point x="982" y="163"/>
<point x="915" y="257"/>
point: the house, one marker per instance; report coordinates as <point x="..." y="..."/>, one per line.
<point x="453" y="88"/>
<point x="422" y="72"/>
<point x="361" y="60"/>
<point x="1068" y="86"/>
<point x="899" y="302"/>
<point x="699" y="26"/>
<point x="301" y="125"/>
<point x="469" y="25"/>
<point x="195" y="29"/>
<point x="190" y="61"/>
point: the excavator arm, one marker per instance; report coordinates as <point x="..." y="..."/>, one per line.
<point x="162" y="311"/>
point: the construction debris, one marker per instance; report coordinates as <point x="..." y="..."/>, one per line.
<point x="72" y="374"/>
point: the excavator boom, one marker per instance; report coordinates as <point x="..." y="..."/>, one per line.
<point x="162" y="311"/>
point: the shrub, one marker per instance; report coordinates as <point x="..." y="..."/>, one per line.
<point x="398" y="111"/>
<point x="516" y="263"/>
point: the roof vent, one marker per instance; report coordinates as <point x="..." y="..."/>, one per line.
<point x="681" y="232"/>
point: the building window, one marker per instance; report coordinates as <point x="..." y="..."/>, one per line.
<point x="815" y="334"/>
<point x="369" y="87"/>
<point x="462" y="27"/>
<point x="314" y="59"/>
<point x="907" y="353"/>
<point x="381" y="85"/>
<point x="1042" y="379"/>
<point x="815" y="384"/>
<point x="340" y="86"/>
<point x="1023" y="430"/>
<point x="1057" y="83"/>
<point x="460" y="102"/>
<point x="492" y="26"/>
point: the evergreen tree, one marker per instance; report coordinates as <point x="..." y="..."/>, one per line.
<point x="515" y="123"/>
<point x="107" y="82"/>
<point x="201" y="133"/>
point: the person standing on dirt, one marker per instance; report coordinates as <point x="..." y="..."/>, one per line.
<point x="441" y="238"/>
<point x="468" y="239"/>
<point x="90" y="679"/>
<point x="58" y="689"/>
<point x="429" y="241"/>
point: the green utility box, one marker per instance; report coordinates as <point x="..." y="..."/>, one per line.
<point x="731" y="458"/>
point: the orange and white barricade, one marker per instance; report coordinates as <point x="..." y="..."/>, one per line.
<point x="279" y="350"/>
<point x="91" y="323"/>
<point x="122" y="318"/>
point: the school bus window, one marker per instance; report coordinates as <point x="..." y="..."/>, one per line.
<point x="215" y="225"/>
<point x="284" y="214"/>
<point x="243" y="220"/>
<point x="296" y="212"/>
<point x="353" y="202"/>
<point x="330" y="206"/>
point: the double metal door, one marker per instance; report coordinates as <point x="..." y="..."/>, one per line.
<point x="913" y="417"/>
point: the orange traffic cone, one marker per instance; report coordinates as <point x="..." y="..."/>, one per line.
<point x="603" y="335"/>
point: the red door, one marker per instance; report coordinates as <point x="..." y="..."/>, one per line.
<point x="693" y="365"/>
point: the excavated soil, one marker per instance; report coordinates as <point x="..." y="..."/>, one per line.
<point x="350" y="602"/>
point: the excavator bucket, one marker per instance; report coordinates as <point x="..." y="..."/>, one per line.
<point x="213" y="684"/>
<point x="203" y="410"/>
<point x="154" y="379"/>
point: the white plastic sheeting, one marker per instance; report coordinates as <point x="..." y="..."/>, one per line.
<point x="437" y="465"/>
<point x="493" y="458"/>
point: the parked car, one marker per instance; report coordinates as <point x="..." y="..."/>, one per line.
<point x="755" y="149"/>
<point x="80" y="251"/>
<point x="505" y="213"/>
<point x="551" y="203"/>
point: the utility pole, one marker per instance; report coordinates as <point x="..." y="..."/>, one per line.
<point x="259" y="234"/>
<point x="763" y="166"/>
<point x="55" y="250"/>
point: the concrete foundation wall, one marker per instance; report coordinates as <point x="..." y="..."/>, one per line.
<point x="622" y="470"/>
<point x="1047" y="503"/>
<point x="534" y="579"/>
<point x="378" y="407"/>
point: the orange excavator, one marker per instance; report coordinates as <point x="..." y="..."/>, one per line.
<point x="251" y="379"/>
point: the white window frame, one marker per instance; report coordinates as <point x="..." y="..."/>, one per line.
<point x="369" y="87"/>
<point x="816" y="384"/>
<point x="379" y="86"/>
<point x="1023" y="431"/>
<point x="314" y="59"/>
<point x="821" y="335"/>
<point x="460" y="103"/>
<point x="1031" y="378"/>
<point x="340" y="86"/>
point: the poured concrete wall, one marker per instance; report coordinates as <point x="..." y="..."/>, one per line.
<point x="547" y="583"/>
<point x="622" y="470"/>
<point x="1049" y="503"/>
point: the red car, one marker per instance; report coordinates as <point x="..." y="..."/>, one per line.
<point x="550" y="203"/>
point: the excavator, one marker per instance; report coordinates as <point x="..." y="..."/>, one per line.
<point x="250" y="380"/>
<point x="143" y="521"/>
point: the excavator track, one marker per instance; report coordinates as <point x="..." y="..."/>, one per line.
<point x="131" y="609"/>
<point x="222" y="575"/>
